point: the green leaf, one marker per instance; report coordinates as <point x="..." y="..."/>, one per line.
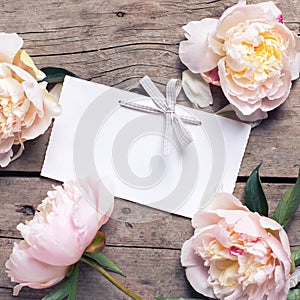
<point x="97" y="244"/>
<point x="294" y="294"/>
<point x="288" y="205"/>
<point x="255" y="197"/>
<point x="104" y="262"/>
<point x="56" y="75"/>
<point x="296" y="257"/>
<point x="73" y="284"/>
<point x="68" y="288"/>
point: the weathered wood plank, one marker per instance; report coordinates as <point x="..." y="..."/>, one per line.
<point x="274" y="142"/>
<point x="131" y="224"/>
<point x="89" y="25"/>
<point x="150" y="273"/>
<point x="117" y="42"/>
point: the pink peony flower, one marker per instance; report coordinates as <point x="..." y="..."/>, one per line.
<point x="26" y="108"/>
<point x="249" y="52"/>
<point x="28" y="271"/>
<point x="237" y="254"/>
<point x="63" y="226"/>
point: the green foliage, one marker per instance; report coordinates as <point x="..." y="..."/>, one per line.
<point x="56" y="75"/>
<point x="294" y="294"/>
<point x="68" y="288"/>
<point x="296" y="257"/>
<point x="288" y="205"/>
<point x="103" y="261"/>
<point x="255" y="197"/>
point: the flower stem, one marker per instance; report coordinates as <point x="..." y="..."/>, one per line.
<point x="111" y="279"/>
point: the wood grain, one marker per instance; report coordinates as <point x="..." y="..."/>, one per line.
<point x="144" y="242"/>
<point x="116" y="43"/>
<point x="131" y="224"/>
<point x="150" y="273"/>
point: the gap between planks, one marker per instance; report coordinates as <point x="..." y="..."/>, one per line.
<point x="240" y="179"/>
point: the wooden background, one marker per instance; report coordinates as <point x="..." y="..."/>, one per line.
<point x="116" y="43"/>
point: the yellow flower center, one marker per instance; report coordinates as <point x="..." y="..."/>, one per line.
<point x="242" y="261"/>
<point x="254" y="52"/>
<point x="11" y="115"/>
<point x="6" y="116"/>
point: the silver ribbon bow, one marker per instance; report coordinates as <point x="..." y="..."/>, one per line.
<point x="167" y="107"/>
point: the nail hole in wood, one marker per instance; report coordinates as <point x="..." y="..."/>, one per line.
<point x="26" y="209"/>
<point x="120" y="14"/>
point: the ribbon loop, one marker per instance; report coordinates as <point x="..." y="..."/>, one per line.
<point x="172" y="92"/>
<point x="153" y="92"/>
<point x="166" y="106"/>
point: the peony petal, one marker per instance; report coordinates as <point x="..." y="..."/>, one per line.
<point x="295" y="64"/>
<point x="255" y="117"/>
<point x="230" y="112"/>
<point x="295" y="277"/>
<point x="62" y="242"/>
<point x="203" y="218"/>
<point x="188" y="256"/>
<point x="4" y="71"/>
<point x="41" y="124"/>
<point x="283" y="88"/>
<point x="10" y="43"/>
<point x="101" y="204"/>
<point x="197" y="276"/>
<point x="295" y="67"/>
<point x="66" y="222"/>
<point x="224" y="16"/>
<point x="237" y="14"/>
<point x="259" y="292"/>
<point x="31" y="88"/>
<point x="270" y="9"/>
<point x="196" y="89"/>
<point x="222" y="235"/>
<point x="50" y="101"/>
<point x="195" y="53"/>
<point x="59" y="242"/>
<point x="216" y="44"/>
<point x="26" y="270"/>
<point x="242" y="254"/>
<point x="283" y="293"/>
<point x="5" y="158"/>
<point x="238" y="294"/>
<point x="244" y="107"/>
<point x="24" y="61"/>
<point x="285" y="241"/>
<point x="56" y="90"/>
<point x="249" y="225"/>
<point x="6" y="144"/>
<point x="269" y="223"/>
<point x="280" y="279"/>
<point x="86" y="224"/>
<point x="17" y="288"/>
<point x="99" y="196"/>
<point x="212" y="76"/>
<point x="10" y="87"/>
<point x="279" y="252"/>
<point x="268" y="105"/>
<point x="225" y="201"/>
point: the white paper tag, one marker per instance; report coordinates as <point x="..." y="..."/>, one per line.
<point x="95" y="136"/>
